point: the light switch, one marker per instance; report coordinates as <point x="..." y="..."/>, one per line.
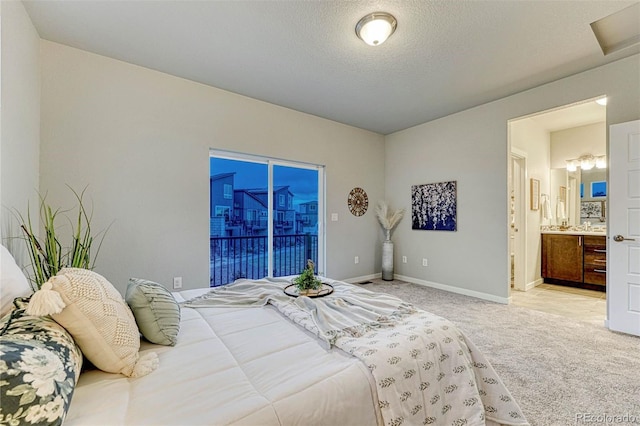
<point x="334" y="217"/>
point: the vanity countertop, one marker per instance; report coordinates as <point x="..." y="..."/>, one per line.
<point x="575" y="232"/>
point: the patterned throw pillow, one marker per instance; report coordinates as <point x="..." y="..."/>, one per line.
<point x="156" y="311"/>
<point x="39" y="368"/>
<point x="99" y="320"/>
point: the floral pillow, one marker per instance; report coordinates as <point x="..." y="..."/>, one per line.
<point x="39" y="368"/>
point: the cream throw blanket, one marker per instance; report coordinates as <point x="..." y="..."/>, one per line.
<point x="426" y="370"/>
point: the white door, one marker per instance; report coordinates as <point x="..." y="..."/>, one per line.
<point x="623" y="257"/>
<point x="517" y="227"/>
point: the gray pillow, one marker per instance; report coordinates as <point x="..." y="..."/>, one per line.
<point x="156" y="311"/>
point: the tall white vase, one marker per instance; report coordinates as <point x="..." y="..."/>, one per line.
<point x="387" y="260"/>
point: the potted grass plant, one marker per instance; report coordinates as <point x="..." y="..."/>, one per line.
<point x="47" y="253"/>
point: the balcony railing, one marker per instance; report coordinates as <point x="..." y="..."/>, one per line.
<point x="232" y="258"/>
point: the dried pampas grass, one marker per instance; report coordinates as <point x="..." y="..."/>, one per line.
<point x="387" y="218"/>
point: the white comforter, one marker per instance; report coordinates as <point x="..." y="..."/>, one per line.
<point x="233" y="366"/>
<point x="426" y="370"/>
<point x="253" y="366"/>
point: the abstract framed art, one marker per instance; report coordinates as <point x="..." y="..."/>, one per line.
<point x="434" y="206"/>
<point x="591" y="209"/>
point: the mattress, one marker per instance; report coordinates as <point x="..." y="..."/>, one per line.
<point x="233" y="366"/>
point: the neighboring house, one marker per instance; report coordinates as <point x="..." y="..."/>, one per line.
<point x="244" y="211"/>
<point x="309" y="216"/>
<point x="284" y="215"/>
<point x="250" y="212"/>
<point x="220" y="203"/>
<point x="221" y="195"/>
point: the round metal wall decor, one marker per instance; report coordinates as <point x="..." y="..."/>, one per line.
<point x="358" y="202"/>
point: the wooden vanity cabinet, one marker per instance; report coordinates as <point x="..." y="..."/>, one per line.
<point x="562" y="257"/>
<point x="595" y="259"/>
<point x="579" y="259"/>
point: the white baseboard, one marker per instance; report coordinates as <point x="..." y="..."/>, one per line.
<point x="533" y="284"/>
<point x="463" y="291"/>
<point x="355" y="280"/>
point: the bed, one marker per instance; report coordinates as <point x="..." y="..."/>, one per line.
<point x="234" y="366"/>
<point x="269" y="363"/>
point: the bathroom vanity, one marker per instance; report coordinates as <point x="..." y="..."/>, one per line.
<point x="577" y="258"/>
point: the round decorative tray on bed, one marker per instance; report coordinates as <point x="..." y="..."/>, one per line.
<point x="292" y="290"/>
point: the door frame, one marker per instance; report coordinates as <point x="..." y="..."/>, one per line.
<point x="517" y="184"/>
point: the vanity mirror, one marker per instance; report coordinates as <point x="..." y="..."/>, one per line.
<point x="578" y="196"/>
<point x="578" y="169"/>
<point x="593" y="195"/>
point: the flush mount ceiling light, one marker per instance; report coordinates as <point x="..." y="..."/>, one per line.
<point x="376" y="27"/>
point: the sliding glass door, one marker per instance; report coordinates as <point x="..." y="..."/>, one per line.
<point x="266" y="217"/>
<point x="295" y="219"/>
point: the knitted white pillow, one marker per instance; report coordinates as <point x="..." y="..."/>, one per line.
<point x="97" y="317"/>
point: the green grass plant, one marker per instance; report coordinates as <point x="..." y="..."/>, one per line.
<point x="47" y="253"/>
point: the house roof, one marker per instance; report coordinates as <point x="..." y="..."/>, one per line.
<point x="221" y="176"/>
<point x="264" y="190"/>
<point x="445" y="56"/>
<point x="251" y="195"/>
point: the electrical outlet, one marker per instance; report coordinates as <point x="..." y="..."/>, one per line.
<point x="177" y="282"/>
<point x="424" y="262"/>
<point x="334" y="217"/>
<point x="356" y="260"/>
<point x="404" y="259"/>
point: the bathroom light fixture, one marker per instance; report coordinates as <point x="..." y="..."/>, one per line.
<point x="601" y="162"/>
<point x="376" y="27"/>
<point x="572" y="165"/>
<point x="586" y="162"/>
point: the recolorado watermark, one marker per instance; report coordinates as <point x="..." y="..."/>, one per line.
<point x="606" y="418"/>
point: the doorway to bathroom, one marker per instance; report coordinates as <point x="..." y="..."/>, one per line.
<point x="552" y="170"/>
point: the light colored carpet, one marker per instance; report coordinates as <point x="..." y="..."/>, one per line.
<point x="559" y="370"/>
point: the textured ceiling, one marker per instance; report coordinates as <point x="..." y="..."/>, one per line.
<point x="445" y="56"/>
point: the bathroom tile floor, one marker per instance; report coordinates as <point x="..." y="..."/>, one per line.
<point x="577" y="303"/>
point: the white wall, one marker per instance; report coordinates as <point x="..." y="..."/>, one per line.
<point x="572" y="143"/>
<point x="471" y="147"/>
<point x="20" y="117"/>
<point x="529" y="137"/>
<point x="140" y="140"/>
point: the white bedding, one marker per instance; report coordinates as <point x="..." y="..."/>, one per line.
<point x="426" y="371"/>
<point x="254" y="366"/>
<point x="233" y="366"/>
